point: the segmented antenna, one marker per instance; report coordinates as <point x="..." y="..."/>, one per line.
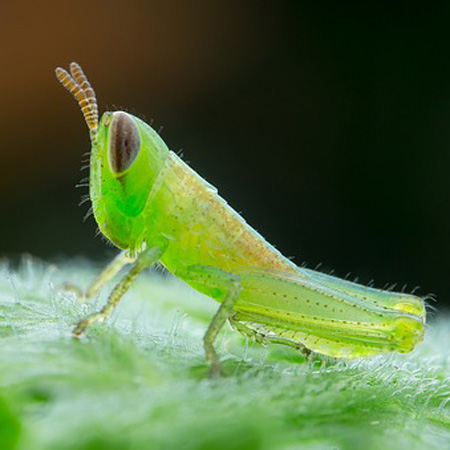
<point x="78" y="85"/>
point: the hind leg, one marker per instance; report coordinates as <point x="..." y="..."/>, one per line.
<point x="261" y="337"/>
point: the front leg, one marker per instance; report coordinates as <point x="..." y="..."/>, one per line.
<point x="110" y="271"/>
<point x="145" y="259"/>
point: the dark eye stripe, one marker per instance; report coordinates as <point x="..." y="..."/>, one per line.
<point x="125" y="142"/>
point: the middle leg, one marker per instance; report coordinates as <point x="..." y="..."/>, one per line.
<point x="224" y="287"/>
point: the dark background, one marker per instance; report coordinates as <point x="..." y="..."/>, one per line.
<point x="326" y="124"/>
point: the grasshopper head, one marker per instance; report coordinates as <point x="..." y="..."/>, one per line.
<point x="126" y="157"/>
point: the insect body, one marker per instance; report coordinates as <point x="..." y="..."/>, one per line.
<point x="154" y="207"/>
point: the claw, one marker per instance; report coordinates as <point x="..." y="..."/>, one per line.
<point x="84" y="323"/>
<point x="216" y="370"/>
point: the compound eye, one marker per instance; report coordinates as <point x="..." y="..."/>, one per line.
<point x="125" y="142"/>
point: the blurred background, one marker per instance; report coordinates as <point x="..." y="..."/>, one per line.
<point x="327" y="125"/>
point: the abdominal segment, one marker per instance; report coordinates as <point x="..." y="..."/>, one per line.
<point x="328" y="315"/>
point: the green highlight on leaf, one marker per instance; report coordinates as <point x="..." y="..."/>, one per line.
<point x="140" y="381"/>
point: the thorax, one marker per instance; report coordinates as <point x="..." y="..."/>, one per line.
<point x="201" y="227"/>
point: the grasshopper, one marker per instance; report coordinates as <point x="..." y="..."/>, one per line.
<point x="155" y="208"/>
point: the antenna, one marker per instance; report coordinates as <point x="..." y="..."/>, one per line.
<point x="78" y="85"/>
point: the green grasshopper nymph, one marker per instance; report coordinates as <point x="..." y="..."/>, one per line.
<point x="154" y="207"/>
